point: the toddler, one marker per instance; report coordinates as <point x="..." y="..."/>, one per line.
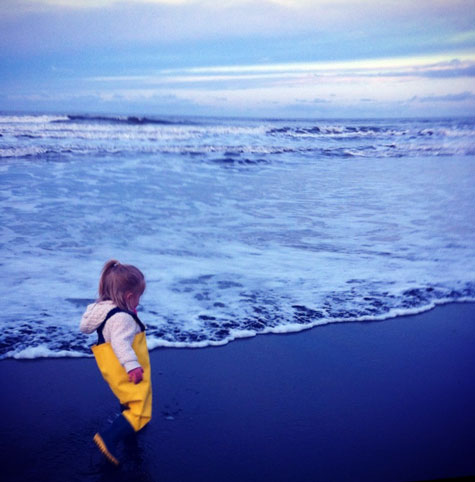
<point x="121" y="351"/>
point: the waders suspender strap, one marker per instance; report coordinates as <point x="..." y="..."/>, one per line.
<point x="100" y="336"/>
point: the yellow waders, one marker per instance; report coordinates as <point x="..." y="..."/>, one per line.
<point x="136" y="398"/>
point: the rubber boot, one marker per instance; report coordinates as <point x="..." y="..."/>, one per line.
<point x="108" y="439"/>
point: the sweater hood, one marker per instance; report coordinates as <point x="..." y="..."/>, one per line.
<point x="95" y="314"/>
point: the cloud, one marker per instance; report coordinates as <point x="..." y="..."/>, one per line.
<point x="349" y="25"/>
<point x="455" y="69"/>
<point x="461" y="97"/>
<point x="433" y="66"/>
<point x="45" y="5"/>
<point x="319" y="101"/>
<point x="463" y="37"/>
<point x="397" y="64"/>
<point x="168" y="78"/>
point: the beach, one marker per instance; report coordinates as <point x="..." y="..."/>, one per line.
<point x="369" y="401"/>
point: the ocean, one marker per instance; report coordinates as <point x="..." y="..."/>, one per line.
<point x="241" y="226"/>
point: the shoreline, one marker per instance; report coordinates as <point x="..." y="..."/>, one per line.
<point x="35" y="352"/>
<point x="368" y="401"/>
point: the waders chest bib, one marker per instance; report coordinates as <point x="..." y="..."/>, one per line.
<point x="136" y="398"/>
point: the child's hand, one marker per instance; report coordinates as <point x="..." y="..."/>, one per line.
<point x="136" y="375"/>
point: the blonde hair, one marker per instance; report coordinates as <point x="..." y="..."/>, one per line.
<point x="119" y="279"/>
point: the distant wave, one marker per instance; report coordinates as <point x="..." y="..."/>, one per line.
<point x="326" y="130"/>
<point x="240" y="157"/>
<point x="344" y="131"/>
<point x="129" y="120"/>
<point x="231" y="142"/>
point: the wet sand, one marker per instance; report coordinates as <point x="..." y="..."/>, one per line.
<point x="381" y="401"/>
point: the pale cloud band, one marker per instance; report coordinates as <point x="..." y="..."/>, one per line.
<point x="441" y="65"/>
<point x="394" y="64"/>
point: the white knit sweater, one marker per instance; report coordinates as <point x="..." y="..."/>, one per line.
<point x="119" y="331"/>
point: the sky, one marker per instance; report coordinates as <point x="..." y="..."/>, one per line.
<point x="270" y="58"/>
